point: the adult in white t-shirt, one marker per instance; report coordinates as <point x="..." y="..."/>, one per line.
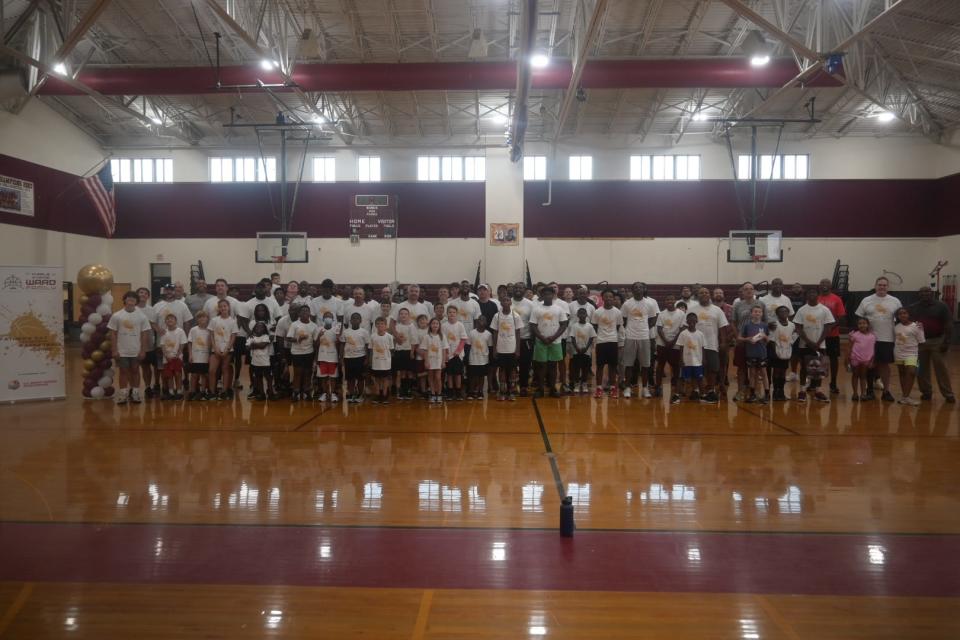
<point x="880" y="310"/>
<point x="326" y="302"/>
<point x="171" y="306"/>
<point x="358" y="304"/>
<point x="211" y="305"/>
<point x="639" y="316"/>
<point x="413" y="304"/>
<point x="468" y="309"/>
<point x="582" y="301"/>
<point x="775" y="299"/>
<point x="712" y="322"/>
<point x="130" y="339"/>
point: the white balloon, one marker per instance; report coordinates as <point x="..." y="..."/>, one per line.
<point x="94" y="319"/>
<point x="97" y="392"/>
<point x="107" y="298"/>
<point x="104" y="309"/>
<point x="85" y="337"/>
<point x="88" y="328"/>
<point x="105" y="381"/>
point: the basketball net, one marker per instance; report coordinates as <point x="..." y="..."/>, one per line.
<point x="758" y="260"/>
<point x="278" y="262"/>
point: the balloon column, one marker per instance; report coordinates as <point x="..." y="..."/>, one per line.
<point x="96" y="306"/>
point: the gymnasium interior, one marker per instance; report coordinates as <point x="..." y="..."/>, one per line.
<point x="386" y="143"/>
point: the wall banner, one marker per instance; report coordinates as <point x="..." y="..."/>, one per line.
<point x="31" y="333"/>
<point x="16" y="196"/>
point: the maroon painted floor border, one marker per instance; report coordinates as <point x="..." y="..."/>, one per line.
<point x="901" y="565"/>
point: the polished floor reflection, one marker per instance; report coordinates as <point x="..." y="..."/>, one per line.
<point x="850" y="510"/>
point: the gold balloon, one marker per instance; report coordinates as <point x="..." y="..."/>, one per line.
<point x="96" y="356"/>
<point x="84" y="298"/>
<point x="88" y="365"/>
<point x="95" y="278"/>
<point x="105" y="346"/>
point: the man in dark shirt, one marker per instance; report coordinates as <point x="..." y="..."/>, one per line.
<point x="938" y="331"/>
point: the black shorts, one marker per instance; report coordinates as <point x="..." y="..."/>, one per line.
<point x="756" y="363"/>
<point x="302" y="361"/>
<point x="382" y="373"/>
<point x="607" y="354"/>
<point x="353" y="368"/>
<point x="778" y="363"/>
<point x="506" y="360"/>
<point x="883" y="353"/>
<point x="477" y="370"/>
<point x="151" y="358"/>
<point x="200" y="368"/>
<point x="402" y="361"/>
<point x="454" y="367"/>
<point x="265" y="371"/>
<point x="833" y="346"/>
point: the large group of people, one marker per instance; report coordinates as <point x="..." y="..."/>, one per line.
<point x="320" y="343"/>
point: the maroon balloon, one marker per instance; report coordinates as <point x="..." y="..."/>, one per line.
<point x="106" y="363"/>
<point x="86" y="393"/>
<point x="109" y="391"/>
<point x="86" y="310"/>
<point x="94" y="299"/>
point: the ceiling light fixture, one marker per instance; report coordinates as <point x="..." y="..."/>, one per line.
<point x="268" y="65"/>
<point x="757" y="49"/>
<point x="539" y="60"/>
<point x="886" y="116"/>
<point x="700" y="116"/>
<point x="498" y="118"/>
<point x="156" y="120"/>
<point x="319" y="119"/>
<point x="60" y="68"/>
<point x="759" y="60"/>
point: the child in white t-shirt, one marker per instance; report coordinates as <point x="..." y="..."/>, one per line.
<point x="580" y="336"/>
<point x="355" y="341"/>
<point x="171" y="346"/>
<point x="381" y="360"/>
<point x="328" y="357"/>
<point x="260" y="348"/>
<point x="225" y="331"/>
<point x="907" y="336"/>
<point x="783" y="334"/>
<point x="199" y="354"/>
<point x="405" y="337"/>
<point x="507" y="327"/>
<point x="302" y="337"/>
<point x="419" y="365"/>
<point x="691" y="341"/>
<point x="456" y="336"/>
<point x="667" y="328"/>
<point x="131" y="336"/>
<point x="433" y="348"/>
<point x="281" y="351"/>
<point x="481" y="341"/>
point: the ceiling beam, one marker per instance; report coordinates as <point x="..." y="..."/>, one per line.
<point x="743" y="10"/>
<point x="592" y="28"/>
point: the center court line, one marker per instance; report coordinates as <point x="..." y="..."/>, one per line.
<point x="551" y="456"/>
<point x="770" y="420"/>
<point x="322" y="411"/>
<point x="14" y="609"/>
<point x="423" y="615"/>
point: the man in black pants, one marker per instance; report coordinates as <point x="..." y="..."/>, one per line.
<point x="523" y="307"/>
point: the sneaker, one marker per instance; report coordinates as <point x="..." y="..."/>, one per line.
<point x="887" y="396"/>
<point x="821" y="396"/>
<point x="523" y="392"/>
<point x="926" y="396"/>
<point x="565" y="389"/>
<point x="135" y="396"/>
<point x="855" y="398"/>
<point x="598" y="393"/>
<point x="260" y="397"/>
<point x="627" y="392"/>
<point x="779" y="396"/>
<point x="711" y="396"/>
<point x="834" y="390"/>
<point x="323" y="397"/>
<point x="121" y="397"/>
<point x="537" y="394"/>
<point x="646" y="393"/>
<point x="910" y="401"/>
<point x="237" y="385"/>
<point x="675" y="398"/>
<point x="802" y="396"/>
<point x="868" y="396"/>
<point x="695" y="396"/>
<point x="251" y="395"/>
<point x="614" y="393"/>
<point x="334" y="398"/>
<point x="229" y="394"/>
<point x="512" y="397"/>
<point x="554" y="393"/>
<point x="950" y="399"/>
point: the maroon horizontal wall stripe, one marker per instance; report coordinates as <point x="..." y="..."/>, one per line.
<point x="208" y="210"/>
<point x="708" y="208"/>
<point x="59" y="201"/>
<point x="464" y="558"/>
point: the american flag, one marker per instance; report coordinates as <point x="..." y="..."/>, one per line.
<point x="99" y="188"/>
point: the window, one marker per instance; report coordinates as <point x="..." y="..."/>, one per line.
<point x="581" y="167"/>
<point x="535" y="167"/>
<point x="142" y="169"/>
<point x="324" y="169"/>
<point x="782" y="167"/>
<point x="368" y="169"/>
<point x="664" y="167"/>
<point x="456" y="168"/>
<point x="243" y="170"/>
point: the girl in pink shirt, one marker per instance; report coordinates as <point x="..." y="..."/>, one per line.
<point x="862" y="343"/>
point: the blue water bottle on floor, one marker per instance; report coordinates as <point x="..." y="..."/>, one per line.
<point x="566" y="517"/>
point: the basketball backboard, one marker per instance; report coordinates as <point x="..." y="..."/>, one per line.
<point x="755" y="246"/>
<point x="281" y="246"/>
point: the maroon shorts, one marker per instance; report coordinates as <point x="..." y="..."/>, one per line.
<point x="740" y="355"/>
<point x="172" y="367"/>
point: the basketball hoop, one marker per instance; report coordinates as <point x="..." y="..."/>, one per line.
<point x="758" y="260"/>
<point x="278" y="262"/>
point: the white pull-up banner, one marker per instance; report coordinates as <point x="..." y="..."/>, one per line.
<point x="31" y="333"/>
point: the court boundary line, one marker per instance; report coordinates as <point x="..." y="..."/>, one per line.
<point x="551" y="456"/>
<point x="322" y="411"/>
<point x="768" y="420"/>
<point x="281" y="525"/>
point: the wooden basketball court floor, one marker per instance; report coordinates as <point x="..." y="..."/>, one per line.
<point x="240" y="520"/>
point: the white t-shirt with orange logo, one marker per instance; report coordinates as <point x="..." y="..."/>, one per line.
<point x="382" y="348"/>
<point x="480" y="343"/>
<point x="302" y="336"/>
<point x="129" y="326"/>
<point x="881" y="311"/>
<point x="692" y="343"/>
<point x="199" y="340"/>
<point x="672" y="322"/>
<point x="453" y="333"/>
<point x="355" y="342"/>
<point x="811" y="320"/>
<point x="171" y="343"/>
<point x="710" y="319"/>
<point x="327" y="344"/>
<point x="548" y="318"/>
<point x="434" y="344"/>
<point x="508" y="326"/>
<point x="606" y="321"/>
<point x="222" y="329"/>
<point x="638" y="314"/>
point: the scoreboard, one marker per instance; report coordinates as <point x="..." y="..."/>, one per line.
<point x="373" y="216"/>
